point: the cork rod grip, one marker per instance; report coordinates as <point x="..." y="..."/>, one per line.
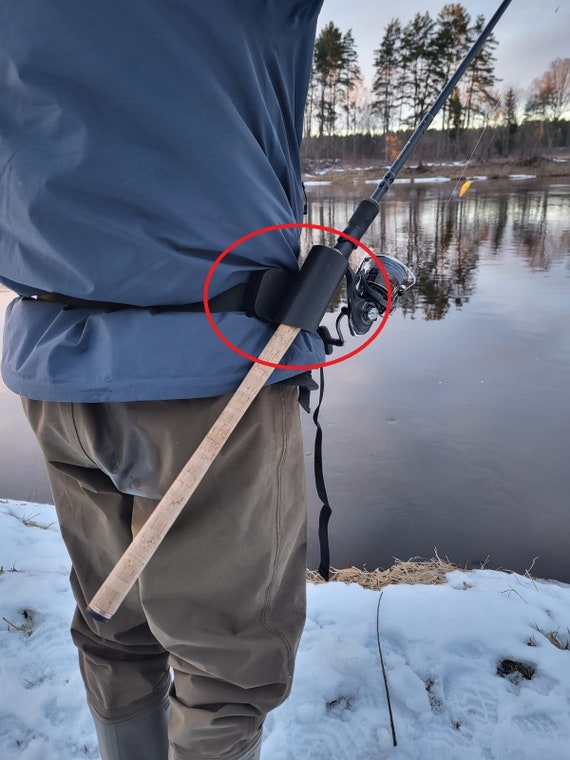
<point x="126" y="572"/>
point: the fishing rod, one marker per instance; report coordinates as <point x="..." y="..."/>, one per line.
<point x="370" y="295"/>
<point x="386" y="181"/>
<point x="366" y="289"/>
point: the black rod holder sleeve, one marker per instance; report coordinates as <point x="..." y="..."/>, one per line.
<point x="315" y="285"/>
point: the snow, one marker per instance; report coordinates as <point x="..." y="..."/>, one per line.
<point x="415" y="180"/>
<point x="420" y="180"/>
<point x="397" y="181"/>
<point x="441" y="644"/>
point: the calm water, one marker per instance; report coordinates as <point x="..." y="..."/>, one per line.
<point x="452" y="430"/>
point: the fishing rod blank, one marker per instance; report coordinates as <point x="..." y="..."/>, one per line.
<point x="316" y="284"/>
<point x="372" y="290"/>
<point x="367" y="210"/>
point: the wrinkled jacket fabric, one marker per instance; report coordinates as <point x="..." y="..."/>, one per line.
<point x="138" y="140"/>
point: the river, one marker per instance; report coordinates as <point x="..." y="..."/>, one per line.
<point x="450" y="432"/>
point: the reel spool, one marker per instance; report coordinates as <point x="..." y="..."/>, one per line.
<point x="368" y="291"/>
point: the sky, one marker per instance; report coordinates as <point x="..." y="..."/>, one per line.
<point x="531" y="33"/>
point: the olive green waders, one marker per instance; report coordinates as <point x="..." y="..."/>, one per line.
<point x="222" y="601"/>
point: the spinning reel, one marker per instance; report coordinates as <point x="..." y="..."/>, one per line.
<point x="368" y="292"/>
<point x="367" y="295"/>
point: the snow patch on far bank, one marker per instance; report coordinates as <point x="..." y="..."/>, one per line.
<point x="411" y="180"/>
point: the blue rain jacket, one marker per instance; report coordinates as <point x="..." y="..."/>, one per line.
<point x="139" y="139"/>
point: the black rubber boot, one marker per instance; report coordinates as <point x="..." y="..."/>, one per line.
<point x="141" y="737"/>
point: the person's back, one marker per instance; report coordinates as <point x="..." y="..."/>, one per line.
<point x="138" y="140"/>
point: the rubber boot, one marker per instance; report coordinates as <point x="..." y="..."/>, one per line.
<point x="141" y="737"/>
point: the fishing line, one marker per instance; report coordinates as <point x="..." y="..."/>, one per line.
<point x="541" y="20"/>
<point x="384" y="674"/>
<point x="463" y="171"/>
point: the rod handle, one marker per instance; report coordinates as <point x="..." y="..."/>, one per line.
<point x="126" y="572"/>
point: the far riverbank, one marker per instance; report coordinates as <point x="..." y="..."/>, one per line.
<point x="556" y="166"/>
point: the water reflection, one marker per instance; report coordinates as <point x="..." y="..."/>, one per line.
<point x="450" y="430"/>
<point x="440" y="236"/>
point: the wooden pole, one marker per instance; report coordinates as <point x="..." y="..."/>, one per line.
<point x="128" y="569"/>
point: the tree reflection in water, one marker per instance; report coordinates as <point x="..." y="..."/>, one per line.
<point x="457" y="424"/>
<point x="441" y="237"/>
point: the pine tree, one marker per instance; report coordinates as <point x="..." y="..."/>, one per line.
<point x="510" y="108"/>
<point x="419" y="65"/>
<point x="310" y="104"/>
<point x="387" y="63"/>
<point x="329" y="64"/>
<point x="452" y="40"/>
<point x="350" y="76"/>
<point x="480" y="77"/>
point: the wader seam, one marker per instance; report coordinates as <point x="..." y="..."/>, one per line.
<point x="76" y="433"/>
<point x="265" y="615"/>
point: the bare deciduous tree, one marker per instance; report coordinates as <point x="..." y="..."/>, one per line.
<point x="550" y="93"/>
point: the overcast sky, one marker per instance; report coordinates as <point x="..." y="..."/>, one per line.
<point x="531" y="33"/>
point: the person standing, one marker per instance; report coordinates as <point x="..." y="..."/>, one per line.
<point x="137" y="141"/>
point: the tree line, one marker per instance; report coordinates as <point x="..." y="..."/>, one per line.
<point x="411" y="65"/>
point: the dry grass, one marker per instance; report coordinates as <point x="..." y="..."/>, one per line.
<point x="31" y="522"/>
<point x="557" y="639"/>
<point x="26" y="626"/>
<point x="415" y="570"/>
<point x="12" y="569"/>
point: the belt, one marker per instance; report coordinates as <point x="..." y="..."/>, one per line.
<point x="230" y="300"/>
<point x="260" y="296"/>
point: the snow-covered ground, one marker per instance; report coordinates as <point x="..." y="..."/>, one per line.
<point x="443" y="647"/>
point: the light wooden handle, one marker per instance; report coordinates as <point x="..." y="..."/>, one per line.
<point x="127" y="570"/>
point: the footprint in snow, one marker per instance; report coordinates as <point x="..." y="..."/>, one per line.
<point x="537" y="724"/>
<point x="471" y="703"/>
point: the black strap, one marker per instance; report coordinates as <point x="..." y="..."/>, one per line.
<point x="233" y="299"/>
<point x="326" y="511"/>
<point x="260" y="296"/>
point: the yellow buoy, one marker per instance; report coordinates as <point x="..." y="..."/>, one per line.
<point x="464" y="188"/>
